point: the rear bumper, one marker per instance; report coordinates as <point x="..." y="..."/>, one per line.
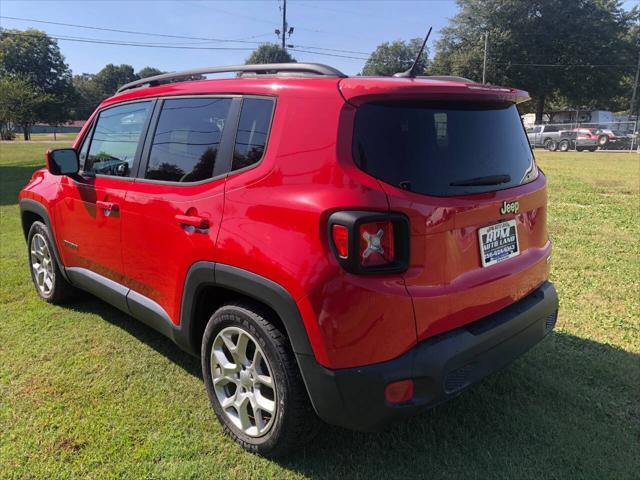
<point x="441" y="367"/>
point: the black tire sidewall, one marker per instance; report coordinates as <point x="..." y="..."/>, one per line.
<point x="238" y="316"/>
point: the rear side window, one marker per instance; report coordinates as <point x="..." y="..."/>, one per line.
<point x="443" y="150"/>
<point x="253" y="130"/>
<point x="187" y="139"/>
<point x="115" y="139"/>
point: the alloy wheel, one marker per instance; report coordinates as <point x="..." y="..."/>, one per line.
<point x="243" y="381"/>
<point x="42" y="264"/>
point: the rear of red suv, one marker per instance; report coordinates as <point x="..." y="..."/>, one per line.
<point x="465" y="231"/>
<point x="361" y="248"/>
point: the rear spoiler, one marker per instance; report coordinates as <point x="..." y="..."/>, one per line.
<point x="359" y="90"/>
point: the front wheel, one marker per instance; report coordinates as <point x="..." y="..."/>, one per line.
<point x="253" y="381"/>
<point x="45" y="272"/>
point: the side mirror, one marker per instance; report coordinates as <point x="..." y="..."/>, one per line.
<point x="62" y="161"/>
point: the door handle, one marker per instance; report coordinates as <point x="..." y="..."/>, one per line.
<point x="194" y="221"/>
<point x="107" y="207"/>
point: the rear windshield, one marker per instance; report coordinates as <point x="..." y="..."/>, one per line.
<point x="443" y="150"/>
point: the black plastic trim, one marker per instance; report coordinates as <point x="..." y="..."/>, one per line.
<point x="29" y="205"/>
<point x="352" y="220"/>
<point x="441" y="367"/>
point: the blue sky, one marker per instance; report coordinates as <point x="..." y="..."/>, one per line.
<point x="355" y="26"/>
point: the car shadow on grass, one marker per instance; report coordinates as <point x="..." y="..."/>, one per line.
<point x="139" y="330"/>
<point x="567" y="409"/>
<point x="12" y="179"/>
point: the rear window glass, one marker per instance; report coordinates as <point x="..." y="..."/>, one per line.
<point x="186" y="140"/>
<point x="443" y="150"/>
<point x="253" y="129"/>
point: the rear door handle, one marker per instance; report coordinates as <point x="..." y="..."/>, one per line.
<point x="107" y="207"/>
<point x="195" y="221"/>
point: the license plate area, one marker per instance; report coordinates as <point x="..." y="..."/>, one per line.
<point x="498" y="242"/>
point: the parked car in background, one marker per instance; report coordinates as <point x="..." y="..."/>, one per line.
<point x="584" y="139"/>
<point x="547" y="136"/>
<point x="602" y="136"/>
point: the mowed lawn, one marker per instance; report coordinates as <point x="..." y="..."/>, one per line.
<point x="88" y="392"/>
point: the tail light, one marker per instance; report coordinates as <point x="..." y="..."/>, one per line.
<point x="370" y="242"/>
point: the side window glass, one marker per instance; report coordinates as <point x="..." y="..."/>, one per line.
<point x="84" y="149"/>
<point x="115" y="139"/>
<point x="253" y="129"/>
<point x="187" y="139"/>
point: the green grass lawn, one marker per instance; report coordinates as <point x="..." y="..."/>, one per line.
<point x="88" y="392"/>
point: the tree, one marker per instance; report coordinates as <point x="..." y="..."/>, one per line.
<point x="149" y="72"/>
<point x="110" y="78"/>
<point x="547" y="47"/>
<point x="393" y="57"/>
<point x="20" y="102"/>
<point x="33" y="56"/>
<point x="269" y="53"/>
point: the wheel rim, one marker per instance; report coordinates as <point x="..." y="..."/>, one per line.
<point x="42" y="264"/>
<point x="243" y="382"/>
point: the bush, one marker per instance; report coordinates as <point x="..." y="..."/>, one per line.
<point x="6" y="134"/>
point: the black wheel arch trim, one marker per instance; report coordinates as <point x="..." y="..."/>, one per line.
<point x="37" y="208"/>
<point x="252" y="285"/>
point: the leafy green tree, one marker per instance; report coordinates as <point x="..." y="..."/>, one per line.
<point x="20" y="102"/>
<point x="546" y="47"/>
<point x="35" y="56"/>
<point x="110" y="78"/>
<point x="149" y="72"/>
<point x="88" y="96"/>
<point x="393" y="57"/>
<point x="269" y="53"/>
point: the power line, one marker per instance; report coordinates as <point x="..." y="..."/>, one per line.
<point x="153" y="34"/>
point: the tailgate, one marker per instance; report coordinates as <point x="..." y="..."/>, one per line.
<point x="446" y="279"/>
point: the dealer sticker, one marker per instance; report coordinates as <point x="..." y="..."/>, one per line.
<point x="498" y="242"/>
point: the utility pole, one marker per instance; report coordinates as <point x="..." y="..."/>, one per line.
<point x="635" y="89"/>
<point x="286" y="30"/>
<point x="284" y="23"/>
<point x="484" y="62"/>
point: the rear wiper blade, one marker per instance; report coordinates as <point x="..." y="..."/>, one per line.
<point x="488" y="180"/>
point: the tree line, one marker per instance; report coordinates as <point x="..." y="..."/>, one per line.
<point x="565" y="54"/>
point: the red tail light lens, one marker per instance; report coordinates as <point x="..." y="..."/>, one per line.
<point x="376" y="244"/>
<point x="369" y="243"/>
<point x="340" y="236"/>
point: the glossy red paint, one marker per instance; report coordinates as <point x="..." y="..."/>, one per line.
<point x="272" y="220"/>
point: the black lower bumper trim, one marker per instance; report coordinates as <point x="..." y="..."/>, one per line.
<point x="441" y="366"/>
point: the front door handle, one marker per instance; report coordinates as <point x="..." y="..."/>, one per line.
<point x="194" y="221"/>
<point x="107" y="207"/>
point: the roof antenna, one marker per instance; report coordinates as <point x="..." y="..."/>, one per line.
<point x="411" y="73"/>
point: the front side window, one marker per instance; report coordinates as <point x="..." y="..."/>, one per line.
<point x="187" y="139"/>
<point x="253" y="130"/>
<point x="116" y="138"/>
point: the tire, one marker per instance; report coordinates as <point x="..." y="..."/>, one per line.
<point x="46" y="276"/>
<point x="564" y="145"/>
<point x="603" y="140"/>
<point x="591" y="149"/>
<point x="579" y="149"/>
<point x="292" y="421"/>
<point x="551" y="145"/>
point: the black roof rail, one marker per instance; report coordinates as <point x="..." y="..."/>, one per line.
<point x="268" y="68"/>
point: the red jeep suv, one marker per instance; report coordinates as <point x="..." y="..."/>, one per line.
<point x="352" y="249"/>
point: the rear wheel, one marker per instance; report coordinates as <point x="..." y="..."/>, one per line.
<point x="253" y="382"/>
<point x="550" y="145"/>
<point x="592" y="149"/>
<point x="564" y="145"/>
<point x="45" y="273"/>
